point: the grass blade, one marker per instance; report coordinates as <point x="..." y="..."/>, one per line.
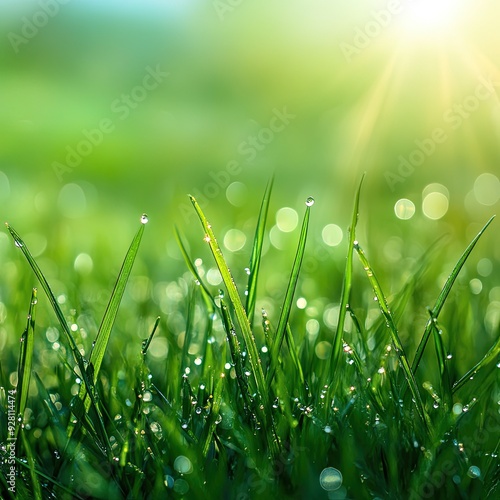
<point x="442" y="362"/>
<point x="336" y="353"/>
<point x="235" y="299"/>
<point x="236" y="356"/>
<point x="26" y="359"/>
<point x="207" y="296"/>
<point x="257" y="252"/>
<point x="89" y="385"/>
<point x="108" y="320"/>
<point x="287" y="302"/>
<point x="444" y="295"/>
<point x="37" y="490"/>
<point x="491" y="355"/>
<point x="146" y="343"/>
<point x="382" y="302"/>
<point x="53" y="302"/>
<point x="102" y="339"/>
<point x="242" y="319"/>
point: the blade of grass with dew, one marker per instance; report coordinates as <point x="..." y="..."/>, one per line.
<point x="235" y="350"/>
<point x="56" y="426"/>
<point x="102" y="339"/>
<point x="37" y="490"/>
<point x="290" y="291"/>
<point x="188" y="335"/>
<point x="45" y="285"/>
<point x="214" y="414"/>
<point x="147" y="342"/>
<point x="336" y="353"/>
<point x="89" y="385"/>
<point x="285" y="381"/>
<point x="490" y="356"/>
<point x="209" y="299"/>
<point x="26" y="360"/>
<point x="255" y="258"/>
<point x="50" y="479"/>
<point x="243" y="323"/>
<point x="444" y="378"/>
<point x="444" y="295"/>
<point x="295" y="357"/>
<point x="382" y="302"/>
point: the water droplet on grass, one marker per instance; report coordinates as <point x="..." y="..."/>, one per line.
<point x="144" y="219"/>
<point x="474" y="472"/>
<point x="310" y="201"/>
<point x="330" y="479"/>
<point x="183" y="465"/>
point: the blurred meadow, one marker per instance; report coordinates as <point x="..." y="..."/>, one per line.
<point x="383" y="87"/>
<point x="111" y="109"/>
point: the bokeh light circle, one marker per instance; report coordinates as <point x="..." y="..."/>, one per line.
<point x="287" y="219"/>
<point x="435" y="201"/>
<point x="487" y="189"/>
<point x="404" y="209"/>
<point x="332" y="235"/>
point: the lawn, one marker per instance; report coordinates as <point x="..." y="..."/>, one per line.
<point x="207" y="386"/>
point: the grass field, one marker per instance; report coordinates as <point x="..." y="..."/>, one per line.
<point x="250" y="374"/>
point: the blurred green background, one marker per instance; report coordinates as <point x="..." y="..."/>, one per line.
<point x="316" y="92"/>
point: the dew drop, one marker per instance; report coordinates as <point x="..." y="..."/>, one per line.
<point x="330" y="479"/>
<point x="310" y="201"/>
<point x="183" y="465"/>
<point x="144" y="219"/>
<point x="474" y="472"/>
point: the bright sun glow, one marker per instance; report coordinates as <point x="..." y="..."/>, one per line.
<point x="427" y="17"/>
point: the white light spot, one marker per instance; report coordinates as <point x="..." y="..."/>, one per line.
<point x="301" y="303"/>
<point x="312" y="327"/>
<point x="404" y="209"/>
<point x="234" y="240"/>
<point x="287" y="219"/>
<point x="237" y="194"/>
<point x="158" y="348"/>
<point x="332" y="235"/>
<point x="487" y="189"/>
<point x="427" y="17"/>
<point x="475" y="286"/>
<point x="214" y="277"/>
<point x="83" y="264"/>
<point x="485" y="267"/>
<point x="435" y="205"/>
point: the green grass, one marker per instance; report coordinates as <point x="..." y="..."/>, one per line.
<point x="243" y="403"/>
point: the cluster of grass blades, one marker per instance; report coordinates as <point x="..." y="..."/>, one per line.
<point x="258" y="412"/>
